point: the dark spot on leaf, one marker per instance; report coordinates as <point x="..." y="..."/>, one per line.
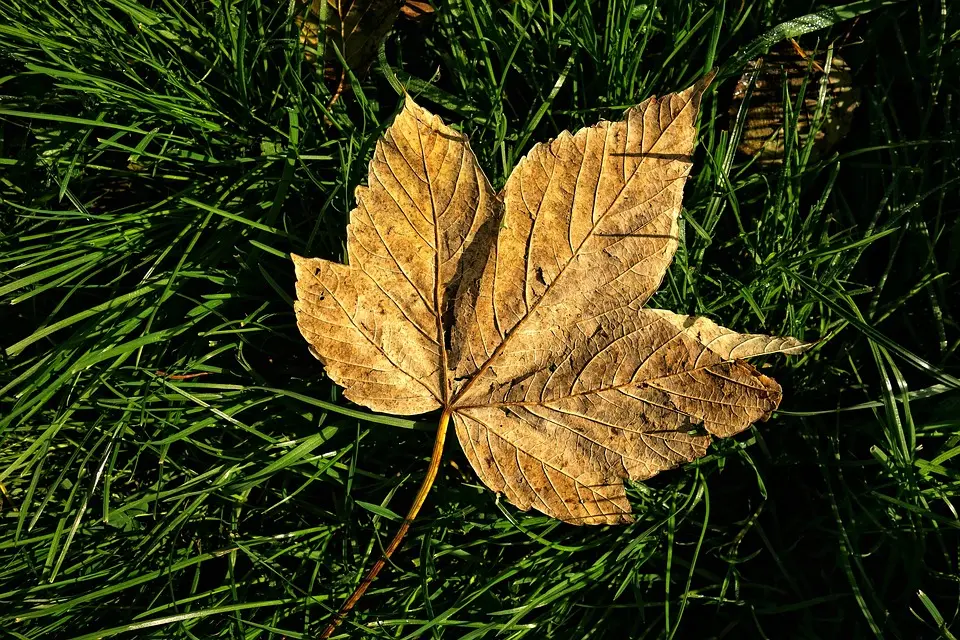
<point x="540" y="277"/>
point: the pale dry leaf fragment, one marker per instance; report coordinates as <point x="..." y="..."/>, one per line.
<point x="730" y="344"/>
<point x="561" y="384"/>
<point x="417" y="10"/>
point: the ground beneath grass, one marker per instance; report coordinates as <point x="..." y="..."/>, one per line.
<point x="174" y="464"/>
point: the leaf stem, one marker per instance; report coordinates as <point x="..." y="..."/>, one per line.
<point x="425" y="487"/>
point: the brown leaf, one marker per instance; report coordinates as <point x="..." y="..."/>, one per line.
<point x="560" y="383"/>
<point x="784" y="69"/>
<point x="417" y="10"/>
<point x="354" y="27"/>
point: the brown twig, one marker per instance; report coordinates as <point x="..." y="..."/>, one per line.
<point x="402" y="532"/>
<point x="5" y="497"/>
<point x="181" y="376"/>
<point x="341" y="86"/>
<point x="804" y="55"/>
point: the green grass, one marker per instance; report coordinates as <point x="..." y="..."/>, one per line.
<point x="159" y="159"/>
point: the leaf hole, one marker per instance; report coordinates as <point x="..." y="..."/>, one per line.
<point x="447" y="328"/>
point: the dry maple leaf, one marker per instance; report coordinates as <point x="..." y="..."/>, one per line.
<point x="521" y="316"/>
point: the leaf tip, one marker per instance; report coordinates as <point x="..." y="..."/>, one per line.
<point x="796" y="347"/>
<point x="304" y="268"/>
<point x="420" y="115"/>
<point x="707" y="79"/>
<point x="298" y="264"/>
<point x="412" y="108"/>
<point x="696" y="91"/>
<point x="409" y="104"/>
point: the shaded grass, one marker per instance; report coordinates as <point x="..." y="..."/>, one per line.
<point x="174" y="464"/>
